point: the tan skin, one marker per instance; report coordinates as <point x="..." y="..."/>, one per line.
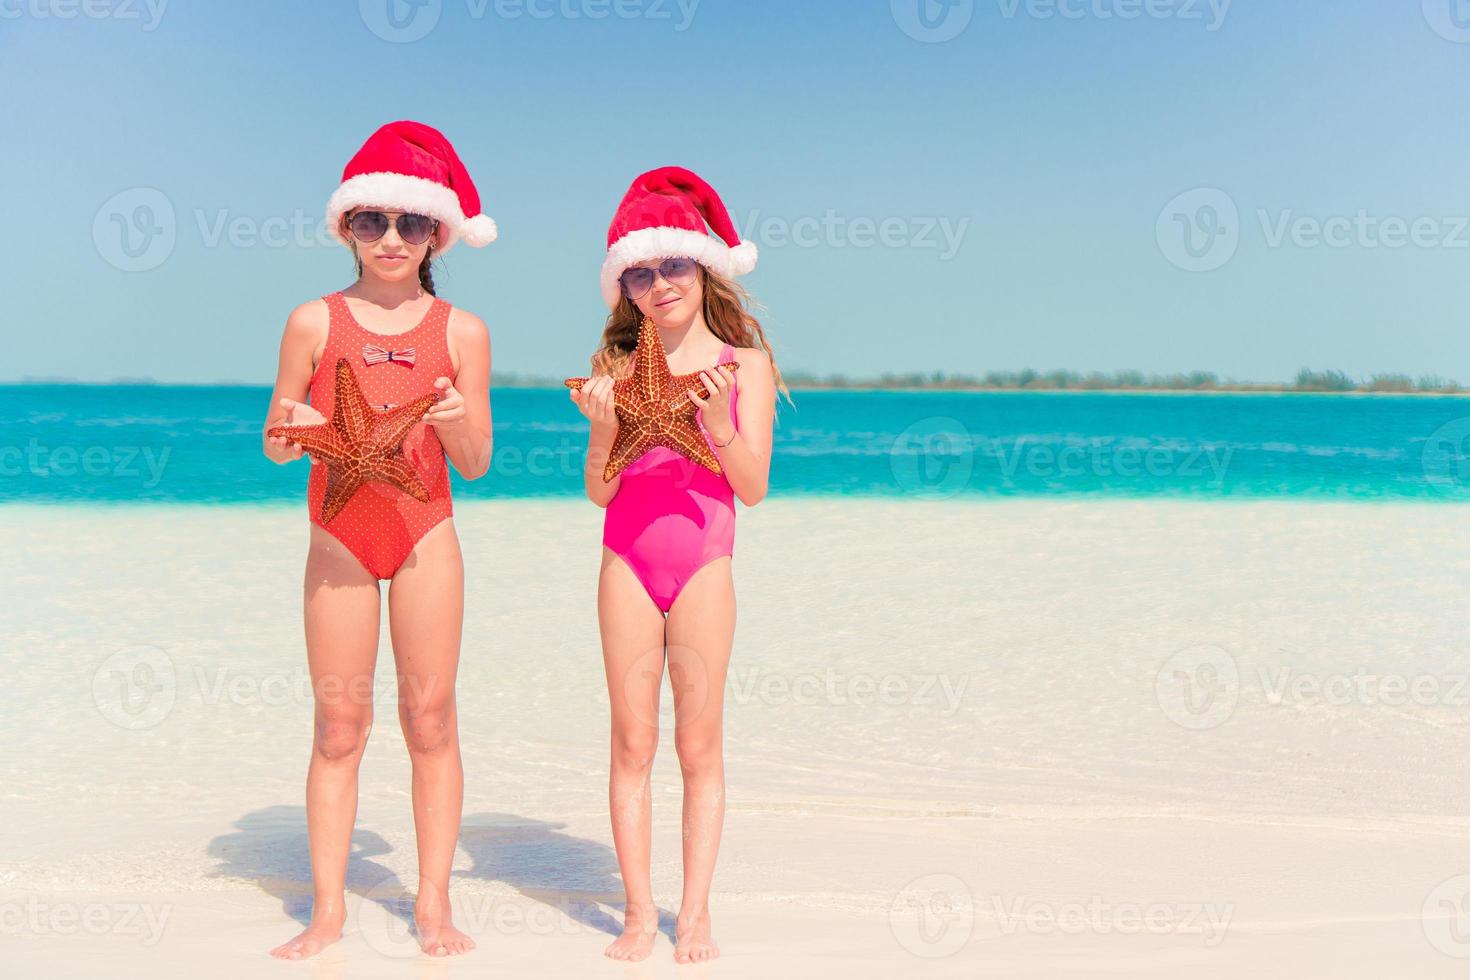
<point x="425" y="610"/>
<point x="695" y="638"/>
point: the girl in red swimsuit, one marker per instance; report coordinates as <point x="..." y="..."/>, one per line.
<point x="665" y="591"/>
<point x="404" y="199"/>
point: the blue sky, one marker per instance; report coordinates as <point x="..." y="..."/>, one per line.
<point x="1167" y="185"/>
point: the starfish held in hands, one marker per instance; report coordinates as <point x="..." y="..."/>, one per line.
<point x="653" y="408"/>
<point x="360" y="444"/>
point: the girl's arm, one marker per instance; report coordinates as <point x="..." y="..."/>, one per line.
<point x="301" y="342"/>
<point x="462" y="417"/>
<point x="747" y="459"/>
<point x="595" y="400"/>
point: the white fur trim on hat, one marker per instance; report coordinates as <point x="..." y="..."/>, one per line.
<point x="664" y="243"/>
<point x="402" y="192"/>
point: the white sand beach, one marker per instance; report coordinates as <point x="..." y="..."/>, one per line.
<point x="1010" y="739"/>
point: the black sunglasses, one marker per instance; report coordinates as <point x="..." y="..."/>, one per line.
<point x="369" y="226"/>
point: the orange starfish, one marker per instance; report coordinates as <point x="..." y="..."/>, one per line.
<point x="654" y="409"/>
<point x="360" y="444"/>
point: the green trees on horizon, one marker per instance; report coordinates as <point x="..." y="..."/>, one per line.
<point x="1029" y="379"/>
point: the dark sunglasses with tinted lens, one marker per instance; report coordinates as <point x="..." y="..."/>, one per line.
<point x="678" y="271"/>
<point x="369" y="226"/>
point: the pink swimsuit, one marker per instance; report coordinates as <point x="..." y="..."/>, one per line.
<point x="671" y="517"/>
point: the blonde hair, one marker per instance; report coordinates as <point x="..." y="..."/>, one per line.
<point x="726" y="313"/>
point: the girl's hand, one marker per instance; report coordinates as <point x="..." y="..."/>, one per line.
<point x="297" y="413"/>
<point x="714" y="411"/>
<point x="595" y="400"/>
<point x="449" y="410"/>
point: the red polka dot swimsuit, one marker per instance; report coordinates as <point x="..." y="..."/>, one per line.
<point x="381" y="524"/>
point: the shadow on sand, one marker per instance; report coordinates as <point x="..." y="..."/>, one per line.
<point x="268" y="848"/>
<point x="572" y="874"/>
<point x="578" y="877"/>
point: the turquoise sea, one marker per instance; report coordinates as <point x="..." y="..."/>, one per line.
<point x="164" y="443"/>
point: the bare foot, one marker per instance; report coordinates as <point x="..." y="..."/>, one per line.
<point x="325" y="929"/>
<point x="693" y="942"/>
<point x="640" y="929"/>
<point x="436" y="933"/>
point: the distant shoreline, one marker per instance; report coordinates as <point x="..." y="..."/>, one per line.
<point x="855" y="387"/>
<point x="1253" y="390"/>
<point x="1022" y="382"/>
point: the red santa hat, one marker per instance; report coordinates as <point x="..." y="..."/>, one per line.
<point x="407" y="166"/>
<point x="663" y="215"/>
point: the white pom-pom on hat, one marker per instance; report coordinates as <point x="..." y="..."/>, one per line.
<point x="479" y="231"/>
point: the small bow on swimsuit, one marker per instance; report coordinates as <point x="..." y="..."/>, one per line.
<point x="373" y="354"/>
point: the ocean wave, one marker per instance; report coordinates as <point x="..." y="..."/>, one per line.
<point x="121" y="421"/>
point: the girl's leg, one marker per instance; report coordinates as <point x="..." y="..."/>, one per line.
<point x="425" y="617"/>
<point x="341" y="651"/>
<point x="632" y="631"/>
<point x="701" y="630"/>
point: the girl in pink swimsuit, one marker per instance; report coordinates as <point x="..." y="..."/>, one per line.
<point x="672" y="516"/>
<point x="665" y="591"/>
<point x="405" y="198"/>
